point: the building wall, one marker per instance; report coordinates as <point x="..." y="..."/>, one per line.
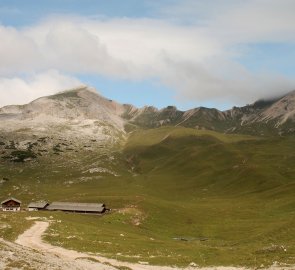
<point x="10" y="209"/>
<point x="32" y="209"/>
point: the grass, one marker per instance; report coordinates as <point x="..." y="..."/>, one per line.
<point x="182" y="196"/>
<point x="155" y="136"/>
<point x="13" y="224"/>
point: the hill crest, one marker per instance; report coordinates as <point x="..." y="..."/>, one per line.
<point x="264" y="117"/>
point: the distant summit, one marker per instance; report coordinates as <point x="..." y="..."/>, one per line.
<point x="84" y="104"/>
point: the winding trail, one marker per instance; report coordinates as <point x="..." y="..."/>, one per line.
<point x="32" y="238"/>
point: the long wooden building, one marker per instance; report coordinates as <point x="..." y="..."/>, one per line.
<point x="35" y="206"/>
<point x="95" y="208"/>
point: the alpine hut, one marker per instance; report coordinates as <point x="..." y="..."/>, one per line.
<point x="11" y="204"/>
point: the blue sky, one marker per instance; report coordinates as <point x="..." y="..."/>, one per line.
<point x="19" y="13"/>
<point x="186" y="53"/>
<point x="271" y="57"/>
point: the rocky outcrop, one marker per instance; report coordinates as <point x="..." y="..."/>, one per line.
<point x="84" y="111"/>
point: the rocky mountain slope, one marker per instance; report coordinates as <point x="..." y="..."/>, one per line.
<point x="68" y="108"/>
<point x="81" y="118"/>
<point x="65" y="122"/>
<point x="84" y="109"/>
<point x="264" y="117"/>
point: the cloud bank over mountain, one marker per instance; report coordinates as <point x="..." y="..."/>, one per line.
<point x="16" y="90"/>
<point x="193" y="47"/>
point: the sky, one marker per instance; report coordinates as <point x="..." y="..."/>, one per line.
<point x="188" y="53"/>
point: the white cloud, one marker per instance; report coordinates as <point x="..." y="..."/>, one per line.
<point x="125" y="48"/>
<point x="198" y="59"/>
<point x="256" y="21"/>
<point x="237" y="20"/>
<point x="17" y="51"/>
<point x="17" y="90"/>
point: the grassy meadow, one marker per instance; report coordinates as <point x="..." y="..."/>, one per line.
<point x="177" y="195"/>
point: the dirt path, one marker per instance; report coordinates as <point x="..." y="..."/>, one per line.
<point x="32" y="238"/>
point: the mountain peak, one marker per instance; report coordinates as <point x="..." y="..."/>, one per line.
<point x="74" y="92"/>
<point x="78" y="106"/>
<point x="283" y="109"/>
<point x="84" y="104"/>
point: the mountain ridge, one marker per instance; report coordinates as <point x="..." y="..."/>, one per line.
<point x="264" y="117"/>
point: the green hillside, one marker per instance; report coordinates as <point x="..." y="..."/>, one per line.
<point x="178" y="195"/>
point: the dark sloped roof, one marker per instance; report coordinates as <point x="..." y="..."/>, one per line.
<point x="11" y="199"/>
<point x="40" y="204"/>
<point x="83" y="207"/>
